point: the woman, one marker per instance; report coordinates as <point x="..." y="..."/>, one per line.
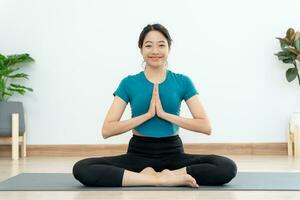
<point x="155" y="155"/>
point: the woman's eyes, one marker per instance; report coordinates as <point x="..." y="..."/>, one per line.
<point x="159" y="45"/>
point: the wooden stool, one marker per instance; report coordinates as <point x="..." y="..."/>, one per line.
<point x="294" y="140"/>
<point x="15" y="139"/>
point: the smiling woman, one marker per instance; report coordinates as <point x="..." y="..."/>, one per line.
<point x="155" y="44"/>
<point x="155" y="154"/>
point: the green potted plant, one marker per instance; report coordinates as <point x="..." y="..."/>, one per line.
<point x="9" y="65"/>
<point x="290" y="53"/>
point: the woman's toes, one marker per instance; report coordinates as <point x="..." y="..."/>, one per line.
<point x="165" y="171"/>
<point x="148" y="170"/>
<point x="191" y="181"/>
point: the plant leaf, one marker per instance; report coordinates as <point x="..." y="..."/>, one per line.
<point x="289" y="33"/>
<point x="284" y="45"/>
<point x="1" y="64"/>
<point x="20" y="91"/>
<point x="297" y="35"/>
<point x="2" y="57"/>
<point x="283" y="53"/>
<point x="8" y="93"/>
<point x="291" y="74"/>
<point x="2" y="85"/>
<point x="294" y="51"/>
<point x="20" y="75"/>
<point x="286" y="56"/>
<point x="18" y="58"/>
<point x="284" y="40"/>
<point x="297" y="44"/>
<point x="7" y="71"/>
<point x="21" y="87"/>
<point x="293" y="38"/>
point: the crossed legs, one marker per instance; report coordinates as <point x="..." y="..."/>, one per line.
<point x="128" y="170"/>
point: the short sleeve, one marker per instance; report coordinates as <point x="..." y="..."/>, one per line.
<point x="189" y="88"/>
<point x="121" y="90"/>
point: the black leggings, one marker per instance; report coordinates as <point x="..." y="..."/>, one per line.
<point x="158" y="153"/>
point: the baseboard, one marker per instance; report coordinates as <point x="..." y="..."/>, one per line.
<point x="115" y="149"/>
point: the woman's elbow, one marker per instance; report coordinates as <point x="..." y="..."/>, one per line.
<point x="209" y="131"/>
<point x="104" y="132"/>
<point x="209" y="128"/>
<point x="206" y="130"/>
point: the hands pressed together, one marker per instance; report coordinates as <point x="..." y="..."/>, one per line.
<point x="155" y="107"/>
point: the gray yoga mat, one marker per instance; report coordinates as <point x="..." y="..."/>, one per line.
<point x="287" y="181"/>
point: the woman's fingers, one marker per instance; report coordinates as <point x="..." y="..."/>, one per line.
<point x="154" y="90"/>
<point x="152" y="110"/>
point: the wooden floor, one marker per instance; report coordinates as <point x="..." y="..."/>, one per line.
<point x="10" y="168"/>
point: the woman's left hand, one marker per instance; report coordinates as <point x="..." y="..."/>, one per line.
<point x="159" y="109"/>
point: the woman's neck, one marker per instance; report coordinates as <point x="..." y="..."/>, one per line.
<point x="155" y="75"/>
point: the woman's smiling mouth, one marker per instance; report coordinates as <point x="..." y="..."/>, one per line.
<point x="155" y="58"/>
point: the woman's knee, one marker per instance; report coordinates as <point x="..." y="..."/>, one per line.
<point x="78" y="169"/>
<point x="83" y="170"/>
<point x="227" y="169"/>
<point x="97" y="172"/>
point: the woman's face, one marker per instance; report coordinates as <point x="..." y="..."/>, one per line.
<point x="155" y="49"/>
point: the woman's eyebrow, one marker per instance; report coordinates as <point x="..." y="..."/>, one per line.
<point x="157" y="42"/>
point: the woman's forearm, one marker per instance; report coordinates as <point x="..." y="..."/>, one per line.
<point x="197" y="125"/>
<point x="115" y="128"/>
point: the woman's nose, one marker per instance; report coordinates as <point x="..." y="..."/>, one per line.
<point x="155" y="50"/>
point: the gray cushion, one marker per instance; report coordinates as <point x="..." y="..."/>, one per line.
<point x="6" y="110"/>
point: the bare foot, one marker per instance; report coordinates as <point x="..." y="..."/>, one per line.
<point x="149" y="171"/>
<point x="168" y="178"/>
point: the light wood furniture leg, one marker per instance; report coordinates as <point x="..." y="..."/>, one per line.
<point x="15" y="136"/>
<point x="290" y="141"/>
<point x="297" y="140"/>
<point x="24" y="140"/>
<point x="23" y="149"/>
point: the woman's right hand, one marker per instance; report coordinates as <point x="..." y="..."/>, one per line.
<point x="151" y="110"/>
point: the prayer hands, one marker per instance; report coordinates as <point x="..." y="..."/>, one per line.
<point x="155" y="104"/>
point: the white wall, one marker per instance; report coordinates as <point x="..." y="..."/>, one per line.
<point x="84" y="48"/>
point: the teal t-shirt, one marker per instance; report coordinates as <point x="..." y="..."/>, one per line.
<point x="137" y="90"/>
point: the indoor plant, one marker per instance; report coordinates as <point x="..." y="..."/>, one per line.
<point x="9" y="65"/>
<point x="290" y="46"/>
<point x="290" y="53"/>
